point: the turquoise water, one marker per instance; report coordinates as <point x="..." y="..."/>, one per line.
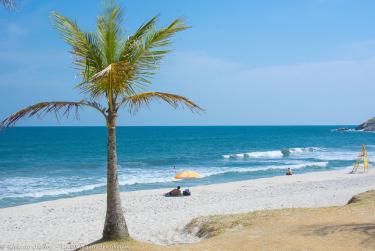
<point x="45" y="163"/>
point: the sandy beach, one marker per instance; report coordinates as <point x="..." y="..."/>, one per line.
<point x="70" y="223"/>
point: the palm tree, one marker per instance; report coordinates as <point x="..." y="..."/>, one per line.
<point x="114" y="73"/>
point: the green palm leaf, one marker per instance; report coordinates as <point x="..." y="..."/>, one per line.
<point x="143" y="99"/>
<point x="59" y="108"/>
<point x="110" y="34"/>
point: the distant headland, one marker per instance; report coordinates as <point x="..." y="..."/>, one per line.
<point x="367" y="126"/>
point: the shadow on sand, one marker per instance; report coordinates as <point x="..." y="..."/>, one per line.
<point x="89" y="245"/>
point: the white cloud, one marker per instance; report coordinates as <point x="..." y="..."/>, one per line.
<point x="332" y="92"/>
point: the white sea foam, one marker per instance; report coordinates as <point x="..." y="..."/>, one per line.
<point x="32" y="187"/>
<point x="241" y="155"/>
<point x="147" y="176"/>
<point x="304" y="149"/>
<point x="341" y="155"/>
<point x="131" y="180"/>
<point x="273" y="153"/>
<point x="36" y="187"/>
<point x="267" y="154"/>
<point x="222" y="170"/>
<point x="54" y="192"/>
<point x="350" y="130"/>
<point x="140" y="176"/>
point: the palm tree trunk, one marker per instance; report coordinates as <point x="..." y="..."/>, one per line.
<point x="115" y="225"/>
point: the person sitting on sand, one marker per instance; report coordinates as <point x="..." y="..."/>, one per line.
<point x="175" y="192"/>
<point x="289" y="171"/>
<point x="186" y="192"/>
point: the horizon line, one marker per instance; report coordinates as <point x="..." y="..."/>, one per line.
<point x="223" y="125"/>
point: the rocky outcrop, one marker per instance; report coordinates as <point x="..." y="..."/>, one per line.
<point x="369" y="125"/>
<point x="343" y="129"/>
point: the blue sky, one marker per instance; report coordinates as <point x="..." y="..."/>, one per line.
<point x="246" y="62"/>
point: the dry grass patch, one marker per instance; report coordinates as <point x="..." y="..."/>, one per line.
<point x="123" y="245"/>
<point x="350" y="227"/>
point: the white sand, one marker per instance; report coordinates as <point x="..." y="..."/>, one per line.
<point x="68" y="223"/>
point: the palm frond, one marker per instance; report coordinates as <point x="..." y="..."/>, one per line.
<point x="96" y="106"/>
<point x="161" y="38"/>
<point x="85" y="46"/>
<point x="112" y="78"/>
<point x="110" y="32"/>
<point x="136" y="39"/>
<point x="9" y="4"/>
<point x="149" y="49"/>
<point x="59" y="108"/>
<point x="136" y="101"/>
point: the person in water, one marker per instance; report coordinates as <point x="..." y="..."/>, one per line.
<point x="175" y="192"/>
<point x="289" y="171"/>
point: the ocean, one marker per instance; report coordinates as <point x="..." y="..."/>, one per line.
<point x="47" y="163"/>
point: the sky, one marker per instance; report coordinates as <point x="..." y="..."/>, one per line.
<point x="260" y="62"/>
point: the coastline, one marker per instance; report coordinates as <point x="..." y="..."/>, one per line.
<point x="73" y="222"/>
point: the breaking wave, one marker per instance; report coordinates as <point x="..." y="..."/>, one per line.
<point x="152" y="177"/>
<point x="273" y="154"/>
<point x="223" y="170"/>
<point x="55" y="192"/>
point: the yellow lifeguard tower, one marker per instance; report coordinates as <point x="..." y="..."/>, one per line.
<point x="361" y="157"/>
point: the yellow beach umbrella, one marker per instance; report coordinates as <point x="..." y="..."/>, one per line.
<point x="188" y="175"/>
